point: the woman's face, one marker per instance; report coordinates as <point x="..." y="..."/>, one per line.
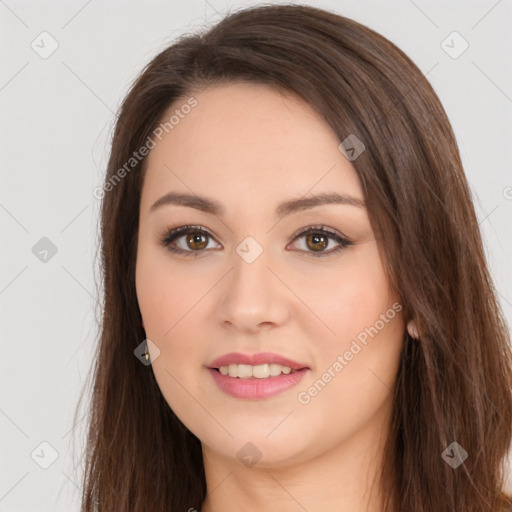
<point x="245" y="280"/>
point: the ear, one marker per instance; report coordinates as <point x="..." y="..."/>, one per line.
<point x="412" y="329"/>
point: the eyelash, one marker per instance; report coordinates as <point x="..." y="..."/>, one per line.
<point x="172" y="234"/>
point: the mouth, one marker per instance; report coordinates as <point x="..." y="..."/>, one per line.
<point x="255" y="376"/>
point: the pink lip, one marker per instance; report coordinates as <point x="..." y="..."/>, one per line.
<point x="253" y="388"/>
<point x="255" y="359"/>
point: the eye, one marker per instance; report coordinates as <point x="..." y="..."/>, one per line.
<point x="195" y="237"/>
<point x="317" y="239"/>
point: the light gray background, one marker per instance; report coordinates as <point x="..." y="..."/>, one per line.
<point x="56" y="119"/>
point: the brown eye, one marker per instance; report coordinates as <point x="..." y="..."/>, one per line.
<point x="317" y="242"/>
<point x="317" y="239"/>
<point x="196" y="241"/>
<point x="186" y="240"/>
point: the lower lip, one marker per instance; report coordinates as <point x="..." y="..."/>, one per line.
<point x="253" y="388"/>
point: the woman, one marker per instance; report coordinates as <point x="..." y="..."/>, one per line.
<point x="334" y="342"/>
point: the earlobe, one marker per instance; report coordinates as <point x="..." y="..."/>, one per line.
<point x="412" y="329"/>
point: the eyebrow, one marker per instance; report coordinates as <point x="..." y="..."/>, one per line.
<point x="285" y="208"/>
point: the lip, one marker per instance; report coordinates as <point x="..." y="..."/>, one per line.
<point x="255" y="359"/>
<point x="253" y="388"/>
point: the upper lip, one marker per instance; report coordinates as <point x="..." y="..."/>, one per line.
<point x="255" y="359"/>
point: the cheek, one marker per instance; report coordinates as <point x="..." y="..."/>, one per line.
<point x="170" y="303"/>
<point x="163" y="296"/>
<point x="348" y="299"/>
<point x="357" y="358"/>
<point x="164" y="299"/>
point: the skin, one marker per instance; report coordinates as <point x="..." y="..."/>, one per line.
<point x="251" y="147"/>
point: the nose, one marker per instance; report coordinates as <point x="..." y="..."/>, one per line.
<point x="253" y="297"/>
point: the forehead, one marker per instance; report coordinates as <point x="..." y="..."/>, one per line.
<point x="245" y="141"/>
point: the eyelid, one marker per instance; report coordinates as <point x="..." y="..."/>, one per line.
<point x="319" y="227"/>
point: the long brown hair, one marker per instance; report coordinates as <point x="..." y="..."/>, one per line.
<point x="454" y="384"/>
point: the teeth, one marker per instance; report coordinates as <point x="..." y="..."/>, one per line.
<point x="246" y="371"/>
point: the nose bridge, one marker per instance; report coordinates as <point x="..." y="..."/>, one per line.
<point x="250" y="261"/>
<point x="250" y="249"/>
<point x="252" y="294"/>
